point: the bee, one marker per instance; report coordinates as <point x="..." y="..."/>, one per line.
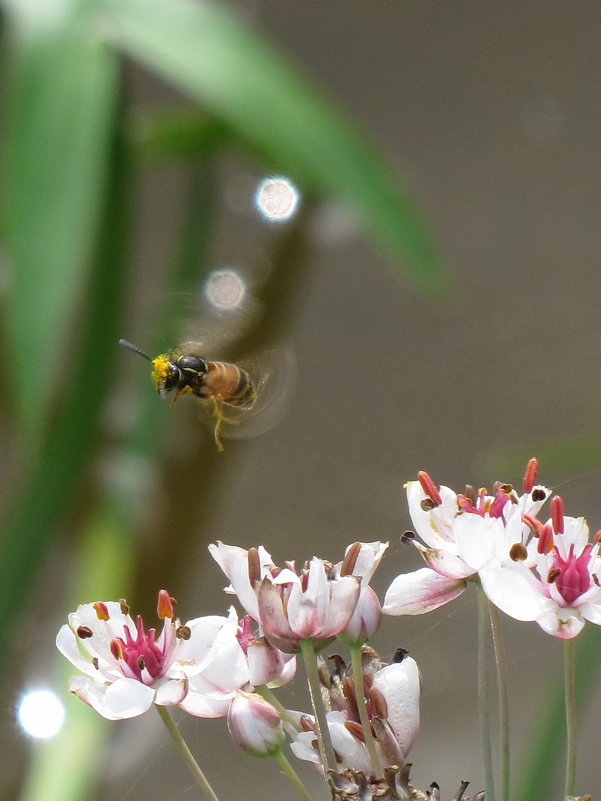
<point x="185" y="371"/>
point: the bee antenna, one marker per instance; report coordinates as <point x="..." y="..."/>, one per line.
<point x="129" y="346"/>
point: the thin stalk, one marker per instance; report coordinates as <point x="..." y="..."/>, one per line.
<point x="266" y="693"/>
<point x="569" y="673"/>
<point x="502" y="686"/>
<point x="192" y="764"/>
<point x="370" y="744"/>
<point x="292" y="775"/>
<point x="484" y="696"/>
<point x="326" y="750"/>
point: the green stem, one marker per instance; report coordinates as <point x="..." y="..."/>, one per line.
<point x="264" y="691"/>
<point x="484" y="696"/>
<point x="370" y="744"/>
<point x="192" y="764"/>
<point x="292" y="775"/>
<point x="326" y="750"/>
<point x="569" y="668"/>
<point x="501" y="663"/>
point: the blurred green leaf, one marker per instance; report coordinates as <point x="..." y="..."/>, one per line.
<point x="63" y="84"/>
<point x="206" y="52"/>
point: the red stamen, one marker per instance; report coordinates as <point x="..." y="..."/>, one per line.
<point x="530" y="476"/>
<point x="533" y="524"/>
<point x="557" y="514"/>
<point x="429" y="487"/>
<point x="165" y="605"/>
<point x="545" y="539"/>
<point x="101" y="609"/>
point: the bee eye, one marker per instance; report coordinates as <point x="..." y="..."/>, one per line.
<point x="192" y="363"/>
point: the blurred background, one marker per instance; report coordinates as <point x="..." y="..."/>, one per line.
<point x="428" y="301"/>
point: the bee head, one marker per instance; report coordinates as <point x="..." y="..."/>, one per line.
<point x="169" y="374"/>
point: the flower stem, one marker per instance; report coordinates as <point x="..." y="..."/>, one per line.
<point x="326" y="750"/>
<point x="264" y="691"/>
<point x="484" y="696"/>
<point x="182" y="747"/>
<point x="362" y="707"/>
<point x="291" y="774"/>
<point x="501" y="663"/>
<point x="569" y="675"/>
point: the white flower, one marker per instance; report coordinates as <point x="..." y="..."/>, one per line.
<point x="562" y="590"/>
<point x="311" y="604"/>
<point x="463" y="534"/>
<point x="126" y="668"/>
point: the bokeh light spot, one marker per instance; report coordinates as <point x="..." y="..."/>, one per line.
<point x="277" y="199"/>
<point x="41" y="714"/>
<point x="225" y="289"/>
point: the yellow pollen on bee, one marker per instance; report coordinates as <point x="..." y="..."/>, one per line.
<point x="160" y="369"/>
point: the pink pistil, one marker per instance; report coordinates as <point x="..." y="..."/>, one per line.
<point x="429" y="487"/>
<point x="573" y="577"/>
<point x="142" y="653"/>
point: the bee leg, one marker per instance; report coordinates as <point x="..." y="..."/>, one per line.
<point x="217" y="402"/>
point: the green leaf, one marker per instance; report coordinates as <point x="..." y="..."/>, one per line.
<point x="61" y="100"/>
<point x="210" y="55"/>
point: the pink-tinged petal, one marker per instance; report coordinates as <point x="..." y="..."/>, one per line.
<point x="172" y="692"/>
<point x="308" y="610"/>
<point x="444" y="562"/>
<point x="273" y="620"/>
<point x="420" y="591"/>
<point x="561" y="623"/>
<point x="478" y="538"/>
<point x="399" y="684"/>
<point x="127" y="698"/>
<point x="365" y="620"/>
<point x="269" y="665"/>
<point x="435" y="527"/>
<point x="514" y="590"/>
<point x="343" y="600"/>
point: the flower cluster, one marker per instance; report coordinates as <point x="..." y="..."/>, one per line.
<point x="365" y="714"/>
<point x="215" y="666"/>
<point x="533" y="571"/>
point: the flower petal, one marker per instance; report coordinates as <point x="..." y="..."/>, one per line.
<point x="420" y="591"/>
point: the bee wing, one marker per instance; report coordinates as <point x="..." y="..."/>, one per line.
<point x="273" y="374"/>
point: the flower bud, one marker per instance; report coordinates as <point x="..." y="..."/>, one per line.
<point x="255" y="725"/>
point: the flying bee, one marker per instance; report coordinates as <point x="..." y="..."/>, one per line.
<point x="186" y="371"/>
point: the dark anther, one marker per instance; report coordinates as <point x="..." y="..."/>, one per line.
<point x="84" y="632"/>
<point x="407" y="537"/>
<point x="183" y="632"/>
<point x="427" y="505"/>
<point x="124" y="606"/>
<point x="538" y="494"/>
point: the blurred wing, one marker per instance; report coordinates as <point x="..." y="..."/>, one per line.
<point x="273" y="374"/>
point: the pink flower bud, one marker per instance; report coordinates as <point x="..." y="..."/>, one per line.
<point x="255" y="725"/>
